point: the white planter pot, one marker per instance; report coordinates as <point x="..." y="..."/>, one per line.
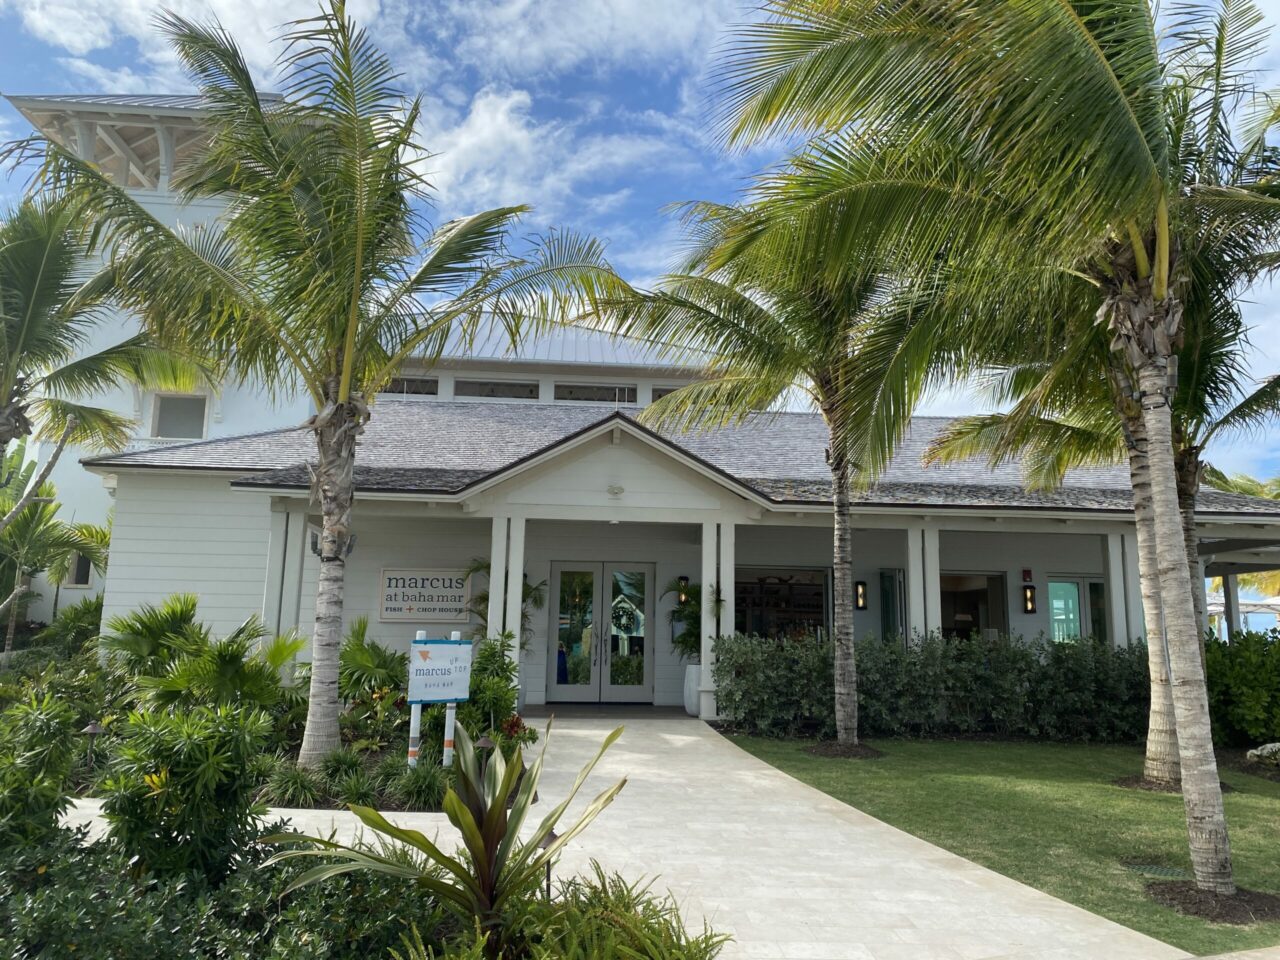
<point x="692" y="681"/>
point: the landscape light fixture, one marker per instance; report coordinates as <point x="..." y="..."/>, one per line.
<point x="550" y="838"/>
<point x="1028" y="599"/>
<point x="860" y="595"/>
<point x="93" y="731"/>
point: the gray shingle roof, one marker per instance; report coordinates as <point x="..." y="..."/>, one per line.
<point x="431" y="446"/>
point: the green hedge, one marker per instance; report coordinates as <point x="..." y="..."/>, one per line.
<point x="1244" y="688"/>
<point x="1005" y="687"/>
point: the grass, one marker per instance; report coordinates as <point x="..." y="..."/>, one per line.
<point x="1047" y="815"/>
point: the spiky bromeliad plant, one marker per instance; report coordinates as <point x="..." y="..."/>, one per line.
<point x="496" y="870"/>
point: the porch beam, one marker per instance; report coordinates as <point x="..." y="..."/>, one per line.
<point x="273" y="587"/>
<point x="932" y="581"/>
<point x="497" y="576"/>
<point x="707" y="687"/>
<point x="297" y="552"/>
<point x="1231" y="604"/>
<point x="916" y="624"/>
<point x="1134" y="615"/>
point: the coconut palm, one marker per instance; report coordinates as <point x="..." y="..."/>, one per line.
<point x="54" y="300"/>
<point x="765" y="331"/>
<point x="36" y="540"/>
<point x="322" y="274"/>
<point x="1028" y="152"/>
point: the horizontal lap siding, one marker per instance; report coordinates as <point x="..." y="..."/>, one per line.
<point x="188" y="534"/>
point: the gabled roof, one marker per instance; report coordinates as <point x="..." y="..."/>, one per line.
<point x="433" y="447"/>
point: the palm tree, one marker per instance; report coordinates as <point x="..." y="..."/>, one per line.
<point x="765" y="330"/>
<point x="36" y="540"/>
<point x="53" y="300"/>
<point x="1028" y="152"/>
<point x="322" y="275"/>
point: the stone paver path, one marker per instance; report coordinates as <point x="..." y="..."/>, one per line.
<point x="789" y="872"/>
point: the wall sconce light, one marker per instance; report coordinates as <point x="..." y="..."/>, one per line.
<point x="1028" y="599"/>
<point x="860" y="595"/>
<point x="683" y="595"/>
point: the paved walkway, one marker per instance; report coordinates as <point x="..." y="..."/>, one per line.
<point x="789" y="872"/>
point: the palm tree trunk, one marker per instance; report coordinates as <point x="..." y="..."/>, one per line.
<point x="12" y="630"/>
<point x="1188" y="466"/>
<point x="1161" y="761"/>
<point x="1201" y="788"/>
<point x="846" y="665"/>
<point x="336" y="427"/>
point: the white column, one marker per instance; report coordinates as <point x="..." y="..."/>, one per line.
<point x="932" y="581"/>
<point x="1113" y="564"/>
<point x="296" y="553"/>
<point x="1137" y="625"/>
<point x="277" y="548"/>
<point x="497" y="575"/>
<point x="916" y="622"/>
<point x="1231" y="603"/>
<point x="707" y="689"/>
<point x="1200" y="585"/>
<point x="728" y="582"/>
<point x="515" y="585"/>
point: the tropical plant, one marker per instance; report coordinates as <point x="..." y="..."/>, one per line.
<point x="685" y="617"/>
<point x="36" y="749"/>
<point x="321" y="276"/>
<point x="35" y="540"/>
<point x="292" y="786"/>
<point x="533" y="596"/>
<point x="1026" y="153"/>
<point x="179" y="792"/>
<point x="497" y="870"/>
<point x="53" y="303"/>
<point x="243" y="668"/>
<point x="366" y="666"/>
<point x="146" y="641"/>
<point x="766" y="329"/>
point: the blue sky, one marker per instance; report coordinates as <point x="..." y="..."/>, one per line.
<point x="594" y="111"/>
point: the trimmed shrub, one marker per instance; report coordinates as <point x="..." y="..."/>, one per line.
<point x="972" y="686"/>
<point x="1244" y="688"/>
<point x="179" y="789"/>
<point x="36" y="752"/>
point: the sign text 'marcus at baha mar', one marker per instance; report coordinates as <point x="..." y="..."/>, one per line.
<point x="429" y="596"/>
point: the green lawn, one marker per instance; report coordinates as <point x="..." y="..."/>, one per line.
<point x="1046" y="814"/>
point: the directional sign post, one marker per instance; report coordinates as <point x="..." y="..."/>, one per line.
<point x="439" y="672"/>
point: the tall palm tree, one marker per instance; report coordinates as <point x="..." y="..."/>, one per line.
<point x="765" y="330"/>
<point x="1027" y="149"/>
<point x="54" y="298"/>
<point x="322" y="274"/>
<point x="36" y="540"/>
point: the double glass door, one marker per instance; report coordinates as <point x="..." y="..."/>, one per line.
<point x="601" y="633"/>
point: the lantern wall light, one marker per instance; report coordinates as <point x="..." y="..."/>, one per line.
<point x="860" y="595"/>
<point x="1028" y="599"/>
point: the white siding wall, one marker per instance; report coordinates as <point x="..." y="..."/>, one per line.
<point x="188" y="534"/>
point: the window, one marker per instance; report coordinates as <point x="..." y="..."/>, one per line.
<point x="81" y="572"/>
<point x="496" y="389"/>
<point x="179" y="418"/>
<point x="660" y="392"/>
<point x="892" y="606"/>
<point x="780" y="602"/>
<point x="1064" y="609"/>
<point x="412" y="387"/>
<point x="972" y="603"/>
<point x="597" y="392"/>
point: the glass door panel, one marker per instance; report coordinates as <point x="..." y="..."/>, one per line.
<point x="629" y="661"/>
<point x="1064" y="609"/>
<point x="575" y="654"/>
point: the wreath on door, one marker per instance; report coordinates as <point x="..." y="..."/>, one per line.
<point x="624" y="619"/>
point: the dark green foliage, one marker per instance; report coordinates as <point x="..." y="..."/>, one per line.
<point x="69" y="898"/>
<point x="73" y="628"/>
<point x="1244" y="688"/>
<point x="603" y="915"/>
<point x="341" y="763"/>
<point x="366" y="666"/>
<point x="355" y="788"/>
<point x="972" y="686"/>
<point x="36" y="751"/>
<point x="178" y="793"/>
<point x="292" y="786"/>
<point x="422" y="787"/>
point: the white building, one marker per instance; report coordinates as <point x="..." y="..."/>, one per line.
<point x="537" y="462"/>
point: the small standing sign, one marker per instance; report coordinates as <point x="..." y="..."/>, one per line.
<point x="439" y="672"/>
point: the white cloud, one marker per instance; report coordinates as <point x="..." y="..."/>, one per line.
<point x="522" y="38"/>
<point x="497" y="153"/>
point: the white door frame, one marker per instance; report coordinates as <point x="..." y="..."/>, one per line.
<point x="598" y="689"/>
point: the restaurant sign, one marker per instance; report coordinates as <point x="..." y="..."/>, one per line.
<point x="424" y="596"/>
